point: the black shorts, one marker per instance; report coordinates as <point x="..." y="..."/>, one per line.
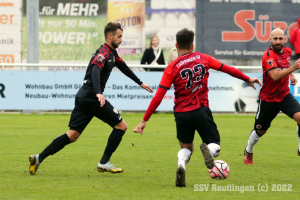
<point x="87" y="106"/>
<point x="201" y="120"/>
<point x="267" y="111"/>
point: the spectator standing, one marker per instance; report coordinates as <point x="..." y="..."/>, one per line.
<point x="172" y="55"/>
<point x="153" y="55"/>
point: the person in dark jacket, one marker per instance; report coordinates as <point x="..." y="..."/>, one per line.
<point x="295" y="40"/>
<point x="153" y="55"/>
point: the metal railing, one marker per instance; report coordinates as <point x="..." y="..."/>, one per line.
<point x="4" y="65"/>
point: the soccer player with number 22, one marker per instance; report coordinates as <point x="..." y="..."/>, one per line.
<point x="189" y="74"/>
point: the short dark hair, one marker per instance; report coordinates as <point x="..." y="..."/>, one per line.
<point x="111" y="27"/>
<point x="185" y="38"/>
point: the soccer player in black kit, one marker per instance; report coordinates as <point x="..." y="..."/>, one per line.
<point x="89" y="102"/>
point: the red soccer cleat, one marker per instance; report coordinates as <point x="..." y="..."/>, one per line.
<point x="248" y="158"/>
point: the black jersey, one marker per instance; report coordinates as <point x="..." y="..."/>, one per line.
<point x="100" y="67"/>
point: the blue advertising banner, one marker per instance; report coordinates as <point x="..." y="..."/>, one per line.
<point x="46" y="90"/>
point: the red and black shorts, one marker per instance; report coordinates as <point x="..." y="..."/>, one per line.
<point x="86" y="107"/>
<point x="267" y="111"/>
<point x="201" y="120"/>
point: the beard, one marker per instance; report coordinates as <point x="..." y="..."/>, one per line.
<point x="277" y="48"/>
<point x="115" y="45"/>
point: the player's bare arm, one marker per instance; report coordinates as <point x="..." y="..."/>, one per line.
<point x="140" y="128"/>
<point x="146" y="87"/>
<point x="277" y="75"/>
<point x="238" y="74"/>
<point x="254" y="80"/>
<point x="293" y="79"/>
<point x="101" y="99"/>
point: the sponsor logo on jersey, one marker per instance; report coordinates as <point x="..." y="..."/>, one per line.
<point x="258" y="126"/>
<point x="100" y="57"/>
<point x="190" y="59"/>
<point x="270" y="62"/>
<point x="288" y="59"/>
<point x="115" y="110"/>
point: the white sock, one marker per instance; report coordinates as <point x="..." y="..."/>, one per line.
<point x="253" y="139"/>
<point x="183" y="157"/>
<point x="214" y="149"/>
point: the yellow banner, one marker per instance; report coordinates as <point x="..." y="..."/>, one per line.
<point x="128" y="14"/>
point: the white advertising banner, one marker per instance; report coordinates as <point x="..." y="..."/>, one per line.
<point x="44" y="90"/>
<point x="10" y="31"/>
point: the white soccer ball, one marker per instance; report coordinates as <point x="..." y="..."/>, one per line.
<point x="220" y="170"/>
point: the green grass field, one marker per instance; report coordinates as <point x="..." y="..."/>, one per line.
<point x="149" y="161"/>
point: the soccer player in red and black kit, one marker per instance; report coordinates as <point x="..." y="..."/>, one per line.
<point x="275" y="94"/>
<point x="89" y="102"/>
<point x="189" y="74"/>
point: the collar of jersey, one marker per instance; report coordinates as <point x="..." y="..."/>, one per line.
<point x="109" y="48"/>
<point x="186" y="53"/>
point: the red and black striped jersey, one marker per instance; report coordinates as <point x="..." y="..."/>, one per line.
<point x="272" y="91"/>
<point x="189" y="74"/>
<point x="100" y="67"/>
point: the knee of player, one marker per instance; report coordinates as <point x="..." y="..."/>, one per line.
<point x="296" y="117"/>
<point x="122" y="125"/>
<point x="125" y="127"/>
<point x="261" y="132"/>
<point x="73" y="135"/>
<point x="73" y="139"/>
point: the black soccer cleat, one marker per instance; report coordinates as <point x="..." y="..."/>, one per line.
<point x="208" y="158"/>
<point x="180" y="177"/>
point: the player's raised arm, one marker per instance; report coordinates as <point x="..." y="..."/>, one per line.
<point x="277" y="75"/>
<point x="122" y="66"/>
<point x="217" y="65"/>
<point x="254" y="80"/>
<point x="240" y="75"/>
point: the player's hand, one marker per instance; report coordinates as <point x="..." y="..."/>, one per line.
<point x="146" y="87"/>
<point x="101" y="99"/>
<point x="140" y="128"/>
<point x="297" y="64"/>
<point x="254" y="80"/>
<point x="293" y="79"/>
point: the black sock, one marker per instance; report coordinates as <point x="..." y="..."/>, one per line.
<point x="56" y="145"/>
<point x="298" y="130"/>
<point x="112" y="144"/>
